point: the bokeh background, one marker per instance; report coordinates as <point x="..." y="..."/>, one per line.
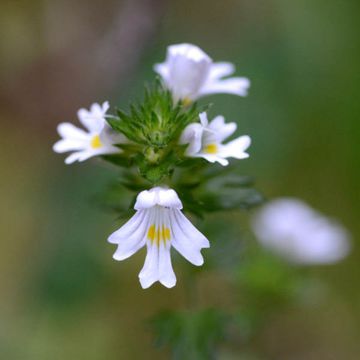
<point x="61" y="294"/>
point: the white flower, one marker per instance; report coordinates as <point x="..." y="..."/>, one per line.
<point x="159" y="224"/>
<point x="189" y="73"/>
<point x="292" y="229"/>
<point x="205" y="140"/>
<point x="99" y="139"/>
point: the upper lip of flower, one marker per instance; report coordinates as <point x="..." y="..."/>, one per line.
<point x="158" y="196"/>
<point x="188" y="50"/>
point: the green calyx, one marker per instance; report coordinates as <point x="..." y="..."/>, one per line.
<point x="153" y="128"/>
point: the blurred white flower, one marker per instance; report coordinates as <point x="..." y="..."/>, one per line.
<point x="159" y="224"/>
<point x="205" y="140"/>
<point x="292" y="229"/>
<point x="189" y="73"/>
<point x="98" y="140"/>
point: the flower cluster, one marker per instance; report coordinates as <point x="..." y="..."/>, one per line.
<point x="166" y="131"/>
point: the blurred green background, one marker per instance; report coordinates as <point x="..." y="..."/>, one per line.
<point x="62" y="295"/>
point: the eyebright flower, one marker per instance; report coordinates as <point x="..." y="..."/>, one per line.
<point x="293" y="230"/>
<point x="205" y="140"/>
<point x="189" y="73"/>
<point x="159" y="224"/>
<point x="99" y="139"/>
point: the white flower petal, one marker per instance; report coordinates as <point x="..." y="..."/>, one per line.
<point x="236" y="148"/>
<point x="131" y="236"/>
<point x="213" y="158"/>
<point x="145" y="199"/>
<point x="185" y="70"/>
<point x="65" y="145"/>
<point x="162" y="70"/>
<point x="203" y="119"/>
<point x="221" y="129"/>
<point x="217" y="123"/>
<point x="188" y="51"/>
<point x="158" y="196"/>
<point x="168" y="198"/>
<point x="149" y="274"/>
<point x="157" y="267"/>
<point x="166" y="273"/>
<point x="94" y="120"/>
<point x="98" y="111"/>
<point x="124" y="251"/>
<point x="91" y="123"/>
<point x="104" y="150"/>
<point x="74" y="157"/>
<point x="105" y="107"/>
<point x="70" y="131"/>
<point x="128" y="228"/>
<point x="186" y="78"/>
<point x="197" y="238"/>
<point x="221" y="69"/>
<point x="236" y="85"/>
<point x="192" y="135"/>
<point x="186" y="239"/>
<point x="89" y="153"/>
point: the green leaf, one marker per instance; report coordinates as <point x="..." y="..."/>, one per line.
<point x="192" y="335"/>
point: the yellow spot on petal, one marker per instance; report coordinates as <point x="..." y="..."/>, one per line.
<point x="158" y="235"/>
<point x="151" y="232"/>
<point x="96" y="142"/>
<point x="166" y="233"/>
<point x="186" y="101"/>
<point x="211" y="149"/>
